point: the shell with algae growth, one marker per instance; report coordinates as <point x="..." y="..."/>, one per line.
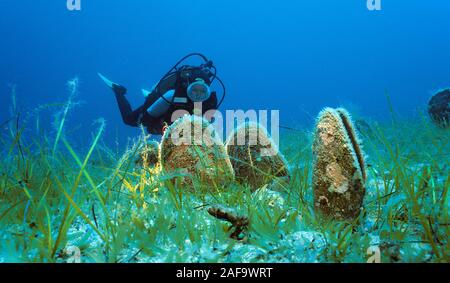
<point x="439" y="108"/>
<point x="339" y="169"/>
<point x="255" y="157"/>
<point x="191" y="149"/>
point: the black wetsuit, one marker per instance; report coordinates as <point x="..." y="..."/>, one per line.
<point x="155" y="125"/>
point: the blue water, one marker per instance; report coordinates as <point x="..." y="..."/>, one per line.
<point x="295" y="56"/>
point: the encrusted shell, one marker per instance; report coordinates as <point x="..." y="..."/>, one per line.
<point x="339" y="170"/>
<point x="254" y="156"/>
<point x="191" y="149"/>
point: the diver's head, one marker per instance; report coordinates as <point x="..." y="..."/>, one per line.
<point x="198" y="91"/>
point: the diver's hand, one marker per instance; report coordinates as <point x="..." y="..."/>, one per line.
<point x="118" y="89"/>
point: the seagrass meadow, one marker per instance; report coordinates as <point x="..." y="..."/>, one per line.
<point x="57" y="199"/>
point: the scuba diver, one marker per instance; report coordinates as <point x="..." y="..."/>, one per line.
<point x="181" y="88"/>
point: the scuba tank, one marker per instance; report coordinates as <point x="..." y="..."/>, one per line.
<point x="160" y="106"/>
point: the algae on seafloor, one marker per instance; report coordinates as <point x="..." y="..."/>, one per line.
<point x="96" y="200"/>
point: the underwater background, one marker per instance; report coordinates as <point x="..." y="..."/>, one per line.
<point x="362" y="169"/>
<point x="294" y="56"/>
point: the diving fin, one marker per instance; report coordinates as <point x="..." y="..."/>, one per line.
<point x="117" y="88"/>
<point x="106" y="80"/>
<point x="145" y="92"/>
